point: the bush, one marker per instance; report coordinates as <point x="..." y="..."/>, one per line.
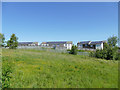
<point x="100" y="54"/>
<point x="81" y="51"/>
<point x="7" y="68"/>
<point x="118" y="57"/>
<point x="84" y="51"/>
<point x="92" y="54"/>
<point x="74" y="50"/>
<point x="109" y="53"/>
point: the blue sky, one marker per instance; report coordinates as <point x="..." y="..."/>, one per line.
<point x="67" y="21"/>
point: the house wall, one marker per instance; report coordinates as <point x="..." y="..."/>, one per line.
<point x="80" y="46"/>
<point x="94" y="46"/>
<point x="99" y="46"/>
<point x="28" y="44"/>
<point x="69" y="46"/>
<point x="44" y="44"/>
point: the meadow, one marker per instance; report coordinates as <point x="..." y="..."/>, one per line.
<point x="44" y="69"/>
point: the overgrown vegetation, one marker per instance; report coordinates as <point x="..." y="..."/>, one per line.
<point x="84" y="51"/>
<point x="2" y="39"/>
<point x="44" y="69"/>
<point x="112" y="41"/>
<point x="109" y="52"/>
<point x="7" y="69"/>
<point x="74" y="50"/>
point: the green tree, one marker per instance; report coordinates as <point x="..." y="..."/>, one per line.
<point x="2" y="39"/>
<point x="73" y="50"/>
<point x="112" y="41"/>
<point x="12" y="43"/>
<point x="108" y="53"/>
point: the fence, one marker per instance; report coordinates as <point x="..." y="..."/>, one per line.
<point x="57" y="50"/>
<point x="88" y="49"/>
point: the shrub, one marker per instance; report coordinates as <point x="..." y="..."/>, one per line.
<point x="73" y="50"/>
<point x="118" y="56"/>
<point x="109" y="53"/>
<point x="81" y="51"/>
<point x="6" y="71"/>
<point x="2" y="39"/>
<point x="84" y="51"/>
<point x="92" y="54"/>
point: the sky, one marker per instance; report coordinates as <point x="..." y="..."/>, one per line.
<point x="60" y="21"/>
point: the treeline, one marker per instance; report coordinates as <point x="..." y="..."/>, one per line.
<point x="12" y="43"/>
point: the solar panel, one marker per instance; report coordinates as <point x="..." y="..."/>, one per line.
<point x="25" y="42"/>
<point x="56" y="42"/>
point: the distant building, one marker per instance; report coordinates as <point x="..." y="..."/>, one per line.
<point x="27" y="43"/>
<point x="58" y="44"/>
<point x="90" y="45"/>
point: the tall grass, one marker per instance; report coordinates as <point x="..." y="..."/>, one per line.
<point x="44" y="69"/>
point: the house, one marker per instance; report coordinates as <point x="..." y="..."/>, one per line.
<point x="90" y="45"/>
<point x="57" y="44"/>
<point x="27" y="43"/>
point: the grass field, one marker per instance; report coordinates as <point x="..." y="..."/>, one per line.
<point x="44" y="69"/>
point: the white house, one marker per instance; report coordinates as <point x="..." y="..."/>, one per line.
<point x="90" y="45"/>
<point x="57" y="44"/>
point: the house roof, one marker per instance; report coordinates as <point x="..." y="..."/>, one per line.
<point x="84" y="42"/>
<point x="43" y="42"/>
<point x="97" y="42"/>
<point x="91" y="42"/>
<point x="26" y="42"/>
<point x="58" y="42"/>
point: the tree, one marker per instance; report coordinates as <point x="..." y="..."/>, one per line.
<point x="2" y="39"/>
<point x="108" y="53"/>
<point x="12" y="43"/>
<point x="73" y="50"/>
<point x="112" y="41"/>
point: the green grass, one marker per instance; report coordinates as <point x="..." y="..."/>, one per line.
<point x="43" y="69"/>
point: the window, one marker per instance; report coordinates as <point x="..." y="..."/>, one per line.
<point x="97" y="45"/>
<point x="85" y="44"/>
<point x="91" y="45"/>
<point x="58" y="45"/>
<point x="80" y="45"/>
<point x="65" y="45"/>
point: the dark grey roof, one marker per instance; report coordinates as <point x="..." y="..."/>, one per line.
<point x="58" y="42"/>
<point x="96" y="42"/>
<point x="25" y="42"/>
<point x="91" y="42"/>
<point x="84" y="42"/>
